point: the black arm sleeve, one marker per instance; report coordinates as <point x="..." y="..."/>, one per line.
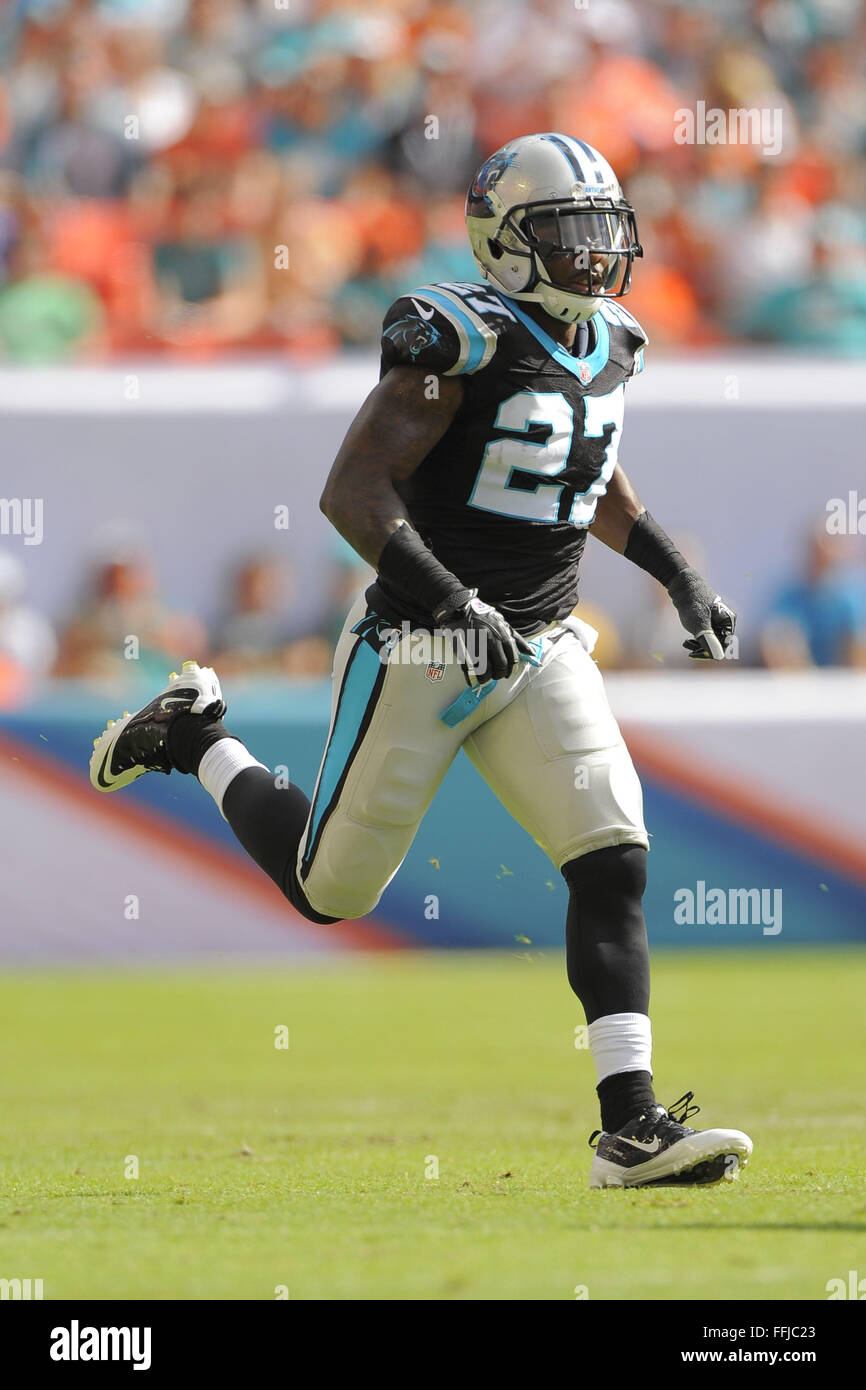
<point x="407" y="566"/>
<point x="651" y="549"/>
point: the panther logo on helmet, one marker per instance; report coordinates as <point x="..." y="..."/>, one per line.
<point x="485" y="180"/>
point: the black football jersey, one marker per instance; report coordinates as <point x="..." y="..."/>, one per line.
<point x="505" y="499"/>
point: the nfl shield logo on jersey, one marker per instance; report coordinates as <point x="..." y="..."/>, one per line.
<point x="435" y="671"/>
<point x="584" y="371"/>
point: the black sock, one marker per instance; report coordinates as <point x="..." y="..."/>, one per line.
<point x="623" y="1097"/>
<point x="189" y="738"/>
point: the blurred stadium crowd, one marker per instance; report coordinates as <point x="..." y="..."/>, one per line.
<point x="817" y="619"/>
<point x="199" y="176"/>
<point x="120" y="631"/>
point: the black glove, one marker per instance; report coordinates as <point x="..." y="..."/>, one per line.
<point x="702" y="613"/>
<point x="487" y="647"/>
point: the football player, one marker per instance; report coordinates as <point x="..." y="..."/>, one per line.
<point x="469" y="479"/>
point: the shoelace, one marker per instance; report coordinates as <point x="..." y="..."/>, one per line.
<point x="677" y="1114"/>
<point x="687" y="1108"/>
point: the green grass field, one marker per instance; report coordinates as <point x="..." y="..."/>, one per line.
<point x="260" y="1167"/>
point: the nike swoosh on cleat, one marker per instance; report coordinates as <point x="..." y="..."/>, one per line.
<point x="425" y="313"/>
<point x="649" y="1148"/>
<point x="173" y="700"/>
<point x="99" y="777"/>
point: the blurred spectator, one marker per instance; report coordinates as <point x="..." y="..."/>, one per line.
<point x="166" y="150"/>
<point x="70" y="154"/>
<point x="254" y="639"/>
<point x="209" y="283"/>
<point x="772" y="248"/>
<point x="147" y="104"/>
<point x="123" y="629"/>
<point x="351" y="576"/>
<point x="824" y="309"/>
<point x="820" y="619"/>
<point x="27" y="642"/>
<point x="46" y="316"/>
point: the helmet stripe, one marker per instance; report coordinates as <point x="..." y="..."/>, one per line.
<point x="573" y="159"/>
<point x="594" y="161"/>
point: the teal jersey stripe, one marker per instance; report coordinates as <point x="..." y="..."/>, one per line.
<point x="477" y="341"/>
<point x="596" y="360"/>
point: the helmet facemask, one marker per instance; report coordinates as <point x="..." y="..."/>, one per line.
<point x="576" y="254"/>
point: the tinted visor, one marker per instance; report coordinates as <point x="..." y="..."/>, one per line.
<point x="584" y="252"/>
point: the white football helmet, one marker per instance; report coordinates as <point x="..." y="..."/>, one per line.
<point x="548" y="223"/>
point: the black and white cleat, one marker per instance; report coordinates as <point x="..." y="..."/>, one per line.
<point x="137" y="743"/>
<point x="659" y="1149"/>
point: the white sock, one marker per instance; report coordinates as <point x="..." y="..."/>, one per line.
<point x="620" y="1042"/>
<point x="221" y="764"/>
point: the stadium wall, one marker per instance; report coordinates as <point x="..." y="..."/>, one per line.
<point x="744" y="790"/>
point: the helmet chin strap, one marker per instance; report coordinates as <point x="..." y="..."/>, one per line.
<point x="565" y="307"/>
<point x="558" y="303"/>
<point x="562" y="305"/>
